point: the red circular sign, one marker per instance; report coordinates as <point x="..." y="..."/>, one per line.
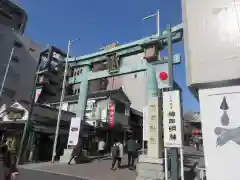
<point x="163" y="76"/>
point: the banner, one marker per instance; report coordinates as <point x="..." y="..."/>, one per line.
<point x="38" y="93"/>
<point x="74" y="131"/>
<point x="111" y="115"/>
<point x="172" y="120"/>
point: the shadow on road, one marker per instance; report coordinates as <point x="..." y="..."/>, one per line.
<point x="85" y="159"/>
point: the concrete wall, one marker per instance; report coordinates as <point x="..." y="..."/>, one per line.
<point x="13" y="16"/>
<point x="20" y="78"/>
<point x="211" y="40"/>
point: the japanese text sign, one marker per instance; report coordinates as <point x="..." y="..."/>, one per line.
<point x="172" y="119"/>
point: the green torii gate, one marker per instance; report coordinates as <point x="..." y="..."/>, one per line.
<point x="169" y="36"/>
<point x="165" y="40"/>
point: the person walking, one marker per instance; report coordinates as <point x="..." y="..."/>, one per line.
<point x="77" y="151"/>
<point x="197" y="143"/>
<point x="101" y="149"/>
<point x="132" y="148"/>
<point x="117" y="154"/>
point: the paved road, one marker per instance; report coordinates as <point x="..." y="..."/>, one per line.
<point x="192" y="159"/>
<point x="101" y="171"/>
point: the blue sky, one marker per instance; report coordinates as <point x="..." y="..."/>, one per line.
<point x="98" y="23"/>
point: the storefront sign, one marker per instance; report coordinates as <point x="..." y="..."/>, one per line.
<point x="64" y="106"/>
<point x="74" y="131"/>
<point x="111" y="115"/>
<point x="90" y="104"/>
<point x="113" y="63"/>
<point x="172" y="119"/>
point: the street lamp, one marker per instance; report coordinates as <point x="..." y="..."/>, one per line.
<point x="70" y="42"/>
<point x="157" y="22"/>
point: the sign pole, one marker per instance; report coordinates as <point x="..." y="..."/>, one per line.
<point x="182" y="165"/>
<point x="174" y="164"/>
<point x="173" y="150"/>
<point x="166" y="163"/>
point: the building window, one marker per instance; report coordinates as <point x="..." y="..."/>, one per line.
<point x="43" y="63"/>
<point x="31" y="50"/>
<point x="17" y="44"/>
<point x="15" y="59"/>
<point x="77" y="91"/>
<point x="5" y="15"/>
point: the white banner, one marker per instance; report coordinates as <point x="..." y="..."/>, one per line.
<point x="38" y="93"/>
<point x="172" y="120"/>
<point x="145" y="123"/>
<point x="74" y="131"/>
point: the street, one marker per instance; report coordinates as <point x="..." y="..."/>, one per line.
<point x="95" y="170"/>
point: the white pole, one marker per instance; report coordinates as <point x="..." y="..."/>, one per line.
<point x="182" y="164"/>
<point x="158" y="23"/>
<point x="61" y="101"/>
<point x="6" y="72"/>
<point x="166" y="163"/>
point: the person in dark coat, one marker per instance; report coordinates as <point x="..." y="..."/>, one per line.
<point x="76" y="152"/>
<point x="132" y="148"/>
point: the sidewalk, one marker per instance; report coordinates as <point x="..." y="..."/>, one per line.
<point x="93" y="170"/>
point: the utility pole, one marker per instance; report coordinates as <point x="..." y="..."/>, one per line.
<point x="6" y="72"/>
<point x="70" y="42"/>
<point x="157" y="21"/>
<point x="30" y="110"/>
<point x="173" y="151"/>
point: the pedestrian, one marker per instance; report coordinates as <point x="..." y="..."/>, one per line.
<point x="117" y="154"/>
<point x="132" y="148"/>
<point x="101" y="149"/>
<point x="76" y="152"/>
<point x="197" y="143"/>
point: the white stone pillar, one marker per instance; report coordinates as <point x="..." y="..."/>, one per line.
<point x="151" y="166"/>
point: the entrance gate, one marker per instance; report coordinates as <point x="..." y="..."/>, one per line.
<point x="150" y="45"/>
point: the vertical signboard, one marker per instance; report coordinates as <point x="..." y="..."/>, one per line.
<point x="111" y="115"/>
<point x="155" y="147"/>
<point x="219" y="109"/>
<point x="172" y="119"/>
<point x="145" y="123"/>
<point x="74" y="131"/>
